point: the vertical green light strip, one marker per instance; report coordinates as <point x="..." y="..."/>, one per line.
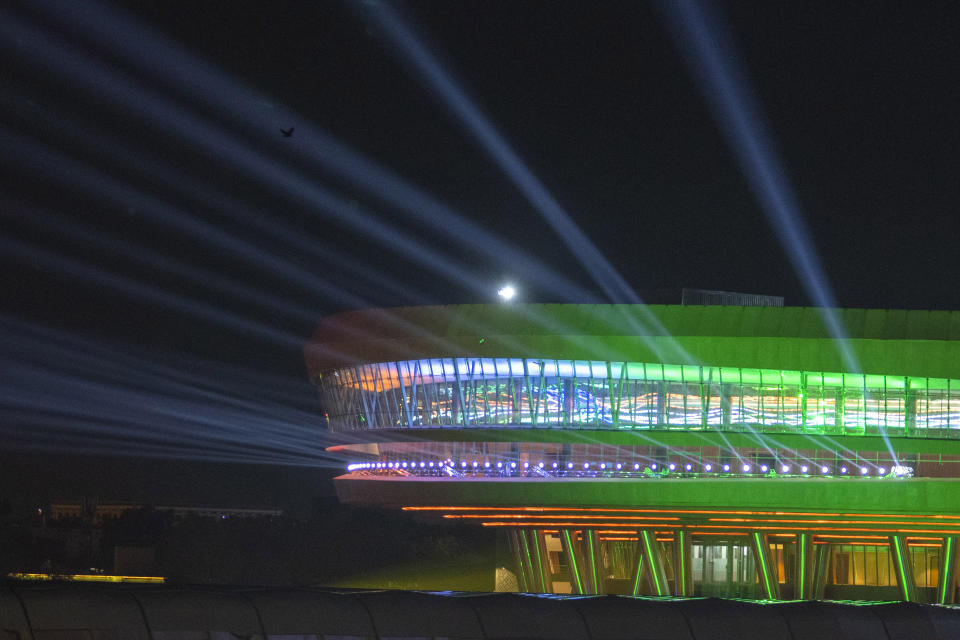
<point x="639" y="571"/>
<point x="539" y="578"/>
<point x="528" y="573"/>
<point x="518" y="554"/>
<point x="896" y="542"/>
<point x="803" y="551"/>
<point x="680" y="539"/>
<point x="649" y="550"/>
<point x="591" y="559"/>
<point x="947" y="571"/>
<point x="759" y="544"/>
<point x="571" y="558"/>
<point x="545" y="572"/>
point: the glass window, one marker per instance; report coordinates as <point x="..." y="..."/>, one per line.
<point x="476" y="391"/>
<point x="841" y="565"/>
<point x="926" y="565"/>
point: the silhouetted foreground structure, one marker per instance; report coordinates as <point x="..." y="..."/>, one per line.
<point x="88" y="612"/>
<point x="731" y="451"/>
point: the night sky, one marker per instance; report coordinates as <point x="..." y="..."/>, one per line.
<point x="859" y="98"/>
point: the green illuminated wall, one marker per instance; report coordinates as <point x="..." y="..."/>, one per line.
<point x="886" y="342"/>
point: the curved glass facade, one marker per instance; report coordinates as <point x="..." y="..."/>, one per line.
<point x="490" y="392"/>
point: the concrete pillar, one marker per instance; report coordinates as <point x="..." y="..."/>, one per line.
<point x="726" y="411"/>
<point x="910" y="410"/>
<point x="593" y="559"/>
<point x="569" y="391"/>
<point x="803" y="572"/>
<point x="838" y="410"/>
<point x="574" y="564"/>
<point x="682" y="559"/>
<point x="653" y="559"/>
<point x="766" y="572"/>
<point x="947" y="589"/>
<point x="638" y="568"/>
<point x="514" y="537"/>
<point x="540" y="564"/>
<point x="661" y="404"/>
<point x="821" y="569"/>
<point x="903" y="566"/>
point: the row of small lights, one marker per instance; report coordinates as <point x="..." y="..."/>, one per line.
<point x="603" y="466"/>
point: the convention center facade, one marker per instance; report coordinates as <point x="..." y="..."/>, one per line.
<point x="663" y="450"/>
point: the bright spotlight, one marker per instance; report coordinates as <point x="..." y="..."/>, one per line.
<point x="507" y="292"/>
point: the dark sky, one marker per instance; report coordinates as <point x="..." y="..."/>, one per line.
<point x="860" y="98"/>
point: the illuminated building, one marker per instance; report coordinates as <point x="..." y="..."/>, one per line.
<point x="97" y="512"/>
<point x="663" y="450"/>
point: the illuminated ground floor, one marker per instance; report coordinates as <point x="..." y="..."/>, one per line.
<point x="778" y="566"/>
<point x="786" y="538"/>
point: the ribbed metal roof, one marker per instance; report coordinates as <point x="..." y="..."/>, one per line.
<point x="81" y="610"/>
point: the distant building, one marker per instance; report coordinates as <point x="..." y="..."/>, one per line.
<point x="728" y="298"/>
<point x="663" y="449"/>
<point x="96" y="512"/>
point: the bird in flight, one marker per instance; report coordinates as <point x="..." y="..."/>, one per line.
<point x="287" y="132"/>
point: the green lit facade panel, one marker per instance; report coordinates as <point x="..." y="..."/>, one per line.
<point x="619" y="320"/>
<point x="928" y="448"/>
<point x="918" y="358"/>
<point x="875" y="495"/>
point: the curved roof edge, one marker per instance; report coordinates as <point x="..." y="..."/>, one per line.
<point x="895" y="342"/>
